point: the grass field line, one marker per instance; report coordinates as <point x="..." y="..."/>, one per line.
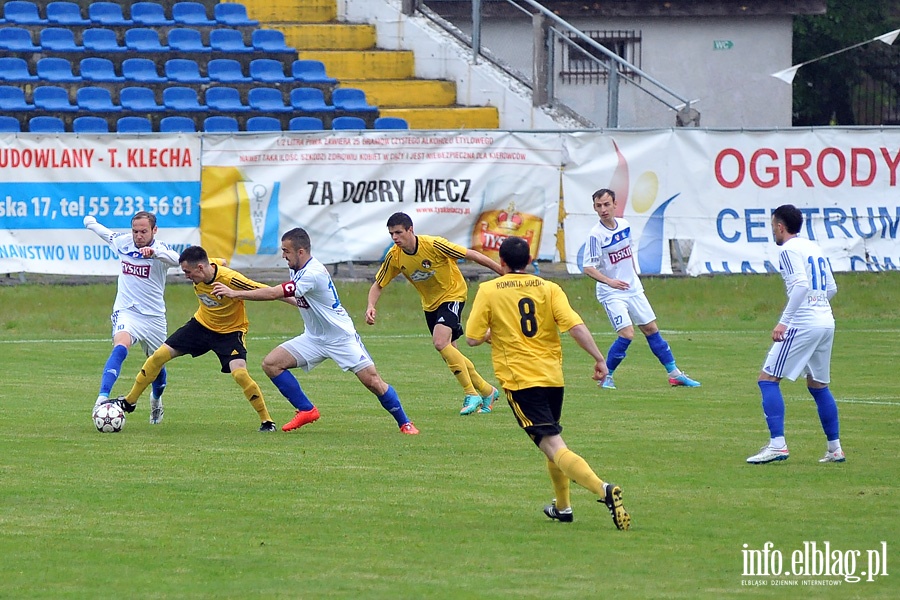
<point x="401" y="336"/>
<point x="876" y="400"/>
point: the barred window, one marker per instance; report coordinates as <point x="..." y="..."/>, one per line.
<point x="580" y="67"/>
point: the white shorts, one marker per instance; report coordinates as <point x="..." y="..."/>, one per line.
<point x="803" y="351"/>
<point x="348" y="352"/>
<point x="149" y="331"/>
<point x="623" y="311"/>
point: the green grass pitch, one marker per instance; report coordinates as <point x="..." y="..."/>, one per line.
<point x="204" y="506"/>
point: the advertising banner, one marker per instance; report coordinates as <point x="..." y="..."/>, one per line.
<point x="702" y="200"/>
<point x="50" y="183"/>
<point x="474" y="188"/>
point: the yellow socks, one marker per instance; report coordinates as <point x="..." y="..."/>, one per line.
<point x="252" y="393"/>
<point x="457" y="363"/>
<point x="149" y="371"/>
<point x="484" y="388"/>
<point x="578" y="470"/>
<point x="560" y="486"/>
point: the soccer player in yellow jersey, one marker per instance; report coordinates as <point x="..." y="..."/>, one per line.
<point x="219" y="325"/>
<point x="429" y="263"/>
<point x="521" y="316"/>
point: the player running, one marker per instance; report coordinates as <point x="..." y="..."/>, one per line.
<point x="328" y="333"/>
<point x="608" y="259"/>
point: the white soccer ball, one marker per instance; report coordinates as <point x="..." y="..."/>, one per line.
<point x="108" y="418"/>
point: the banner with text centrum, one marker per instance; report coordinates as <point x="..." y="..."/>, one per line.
<point x="473" y="188"/>
<point x="51" y="182"/>
<point x="712" y="194"/>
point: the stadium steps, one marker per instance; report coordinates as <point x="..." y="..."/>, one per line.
<point x="350" y="54"/>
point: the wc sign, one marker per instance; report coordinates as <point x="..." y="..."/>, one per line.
<point x="723" y="44"/>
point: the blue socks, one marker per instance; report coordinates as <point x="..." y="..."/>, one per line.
<point x="660" y="349"/>
<point x="159" y="384"/>
<point x="616" y="353"/>
<point x="773" y="407"/>
<point x="391" y="403"/>
<point x="828" y="412"/>
<point x="289" y="387"/>
<point x="112" y="368"/>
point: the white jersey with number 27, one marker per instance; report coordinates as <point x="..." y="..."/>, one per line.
<point x="610" y="252"/>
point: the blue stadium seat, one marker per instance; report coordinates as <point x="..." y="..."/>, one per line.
<point x="52" y="98"/>
<point x="267" y="100"/>
<point x="310" y="100"/>
<point x="90" y="124"/>
<point x="306" y="124"/>
<point x="57" y="39"/>
<point x="348" y="123"/>
<point x="17" y="39"/>
<point x="263" y="124"/>
<point x="225" y="99"/>
<point x="228" y="40"/>
<point x="351" y="99"/>
<point x="46" y="125"/>
<point x="391" y="123"/>
<point x="233" y="15"/>
<point x="9" y="124"/>
<point x="226" y="70"/>
<point x="310" y="71"/>
<point x="65" y="13"/>
<point x="143" y="39"/>
<point x="101" y="41"/>
<point x="96" y="99"/>
<point x="183" y="99"/>
<point x="134" y="125"/>
<point x="186" y="40"/>
<point x="220" y="124"/>
<point x="183" y="70"/>
<point x="58" y="70"/>
<point x="270" y="40"/>
<point x="94" y="68"/>
<point x="139" y="99"/>
<point x="107" y="13"/>
<point x="22" y="13"/>
<point x="267" y="70"/>
<point x="177" y="125"/>
<point x="149" y="14"/>
<point x="13" y="99"/>
<point x="15" y="69"/>
<point x="141" y="70"/>
<point x="190" y="13"/>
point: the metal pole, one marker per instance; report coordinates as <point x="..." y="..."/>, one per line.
<point x="539" y="92"/>
<point x="476" y="30"/>
<point x="409" y="7"/>
<point x="612" y="96"/>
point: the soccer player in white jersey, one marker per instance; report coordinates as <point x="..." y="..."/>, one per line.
<point x="329" y="333"/>
<point x="802" y="338"/>
<point x="609" y="260"/>
<point x="139" y="312"/>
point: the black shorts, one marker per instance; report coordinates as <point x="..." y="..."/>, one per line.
<point x="537" y="410"/>
<point x="447" y="314"/>
<point x="195" y="339"/>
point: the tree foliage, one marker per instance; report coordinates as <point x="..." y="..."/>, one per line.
<point x="824" y="90"/>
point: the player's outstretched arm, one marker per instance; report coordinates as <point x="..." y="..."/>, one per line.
<point x="484" y="261"/>
<point x="103" y="232"/>
<point x="264" y="293"/>
<point x="582" y="336"/>
<point x="374" y="295"/>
